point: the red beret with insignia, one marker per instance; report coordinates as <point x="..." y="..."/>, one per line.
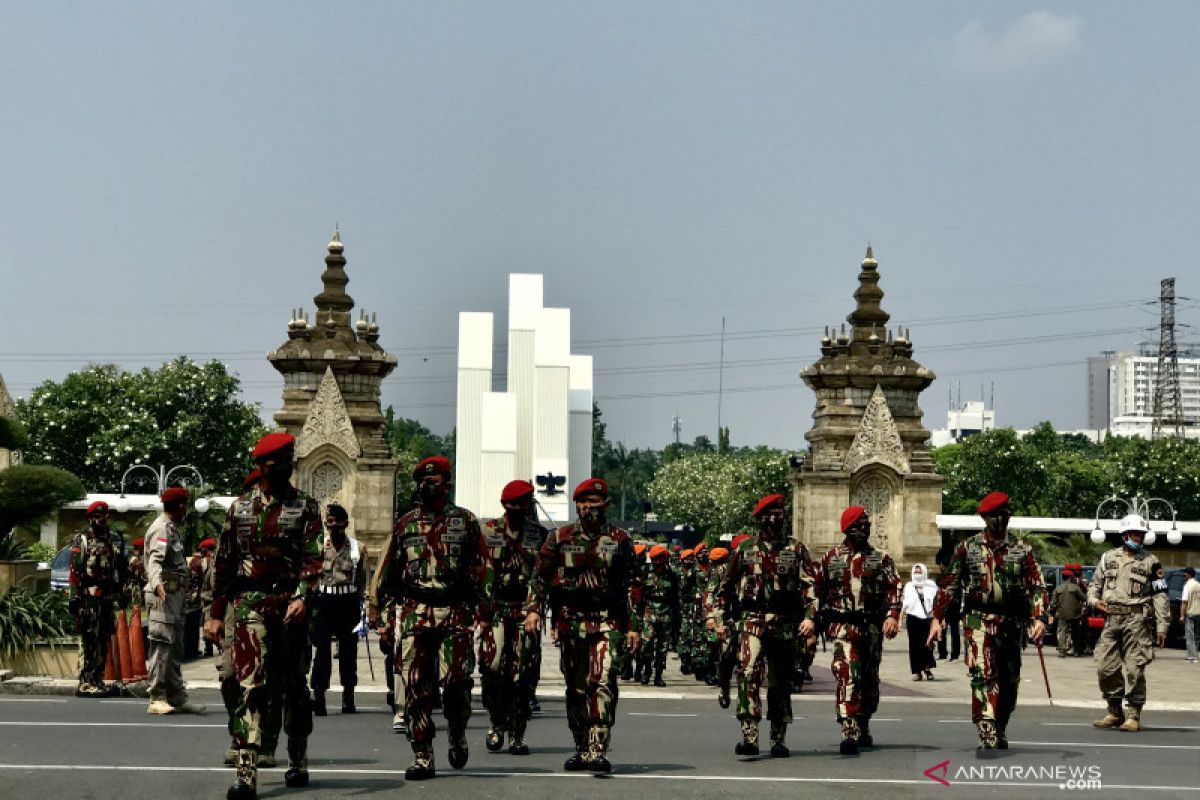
<point x="591" y="486"/>
<point x="434" y="465"/>
<point x="99" y="505"/>
<point x="271" y="444"/>
<point x="515" y="490"/>
<point x="251" y="480"/>
<point x="852" y="515"/>
<point x="174" y="494"/>
<point x="992" y="502"/>
<point x="770" y="501"/>
<point x="208" y="544"/>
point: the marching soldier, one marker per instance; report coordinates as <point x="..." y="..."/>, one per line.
<point x="768" y="593"/>
<point x="1067" y="605"/>
<point x="200" y="587"/>
<point x="1000" y="586"/>
<point x="166" y="582"/>
<point x="135" y="575"/>
<point x="268" y="558"/>
<point x="1128" y="587"/>
<point x="433" y="571"/>
<point x="628" y="672"/>
<point x="660" y="590"/>
<point x="589" y="565"/>
<point x="722" y="654"/>
<point x="511" y="544"/>
<point x="683" y="637"/>
<point x="859" y="596"/>
<point x="337" y="611"/>
<point x="98" y="575"/>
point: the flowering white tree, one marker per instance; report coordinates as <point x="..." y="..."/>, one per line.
<point x="715" y="492"/>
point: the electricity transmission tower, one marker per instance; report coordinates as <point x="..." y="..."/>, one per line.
<point x="1168" y="400"/>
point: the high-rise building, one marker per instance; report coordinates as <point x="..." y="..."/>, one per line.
<point x="1132" y="379"/>
<point x="1099" y="390"/>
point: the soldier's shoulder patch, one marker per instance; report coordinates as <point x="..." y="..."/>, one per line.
<point x="456" y="523"/>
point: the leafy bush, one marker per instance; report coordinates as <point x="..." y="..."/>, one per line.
<point x="40" y="551"/>
<point x="12" y="434"/>
<point x="28" y="493"/>
<point x="26" y="618"/>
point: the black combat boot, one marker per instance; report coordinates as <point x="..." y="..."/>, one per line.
<point x="778" y="734"/>
<point x="596" y="759"/>
<point x="748" y="746"/>
<point x="245" y="787"/>
<point x="627" y="670"/>
<point x="658" y="678"/>
<point x="494" y="741"/>
<point x="318" y="704"/>
<point x="516" y="739"/>
<point x="865" y="739"/>
<point x="723" y="697"/>
<point x="458" y="746"/>
<point x="422" y="767"/>
<point x="848" y="747"/>
<point x="348" y="700"/>
<point x="576" y="762"/>
<point x="297" y="771"/>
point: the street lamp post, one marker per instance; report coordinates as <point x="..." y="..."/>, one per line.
<point x="1140" y="506"/>
<point x="185" y="474"/>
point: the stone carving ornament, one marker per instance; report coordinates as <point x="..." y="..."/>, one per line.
<point x="878" y="441"/>
<point x="327" y="483"/>
<point x="328" y="422"/>
<point x="874" y="494"/>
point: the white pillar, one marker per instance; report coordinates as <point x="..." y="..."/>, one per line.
<point x="552" y="365"/>
<point x="498" y="442"/>
<point x="474" y="380"/>
<point x="580" y="435"/>
<point x="524" y="310"/>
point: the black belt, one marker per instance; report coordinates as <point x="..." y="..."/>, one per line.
<point x="432" y="597"/>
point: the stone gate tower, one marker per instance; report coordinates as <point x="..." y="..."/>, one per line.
<point x="332" y="371"/>
<point x="867" y="443"/>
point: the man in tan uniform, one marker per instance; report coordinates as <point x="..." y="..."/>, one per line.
<point x="166" y="582"/>
<point x="1128" y="586"/>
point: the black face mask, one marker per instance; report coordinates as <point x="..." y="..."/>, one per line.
<point x="774" y="527"/>
<point x="591" y="515"/>
<point x="279" y="473"/>
<point x="431" y="494"/>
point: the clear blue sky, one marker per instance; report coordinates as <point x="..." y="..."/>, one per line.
<point x="172" y="173"/>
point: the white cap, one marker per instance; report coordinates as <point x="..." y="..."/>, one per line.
<point x="1133" y="522"/>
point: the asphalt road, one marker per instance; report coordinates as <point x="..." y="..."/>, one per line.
<point x="72" y="748"/>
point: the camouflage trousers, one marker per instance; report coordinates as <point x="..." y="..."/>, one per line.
<point x="271" y="716"/>
<point x="857" y="653"/>
<point x="590" y="665"/>
<point x="432" y="656"/>
<point x="766" y="650"/>
<point x="725" y="656"/>
<point x="1122" y="653"/>
<point x="992" y="653"/>
<point x="656" y="638"/>
<point x="1070" y="636"/>
<point x="506" y="657"/>
<point x="269" y="661"/>
<point x="95" y="622"/>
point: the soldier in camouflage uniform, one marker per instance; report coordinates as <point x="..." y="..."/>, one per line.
<point x="683" y="638"/>
<point x="703" y="669"/>
<point x="722" y="654"/>
<point x="1129" y="588"/>
<point x="268" y="557"/>
<point x="660" y="593"/>
<point x="98" y="575"/>
<point x="628" y="672"/>
<point x="1000" y="586"/>
<point x="859" y="596"/>
<point x="589" y="566"/>
<point x="510" y="546"/>
<point x="433" y="570"/>
<point x="768" y="593"/>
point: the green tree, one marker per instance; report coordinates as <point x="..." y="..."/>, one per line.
<point x="12" y="435"/>
<point x="28" y="493"/>
<point x="410" y="442"/>
<point x="100" y="421"/>
<point x="715" y="493"/>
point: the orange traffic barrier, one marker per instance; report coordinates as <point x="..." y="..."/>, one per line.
<point x="137" y="649"/>
<point x="110" y="669"/>
<point x="126" y="664"/>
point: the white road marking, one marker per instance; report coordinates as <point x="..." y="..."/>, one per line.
<point x="647" y="714"/>
<point x="111" y="725"/>
<point x="589" y="776"/>
<point x="1144" y="728"/>
<point x="956" y="721"/>
<point x="30" y="700"/>
<point x="1113" y="744"/>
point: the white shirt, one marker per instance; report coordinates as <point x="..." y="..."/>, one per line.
<point x="914" y="596"/>
<point x="1191" y="596"/>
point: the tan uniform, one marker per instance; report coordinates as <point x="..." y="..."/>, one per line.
<point x="1126" y="583"/>
<point x="166" y="566"/>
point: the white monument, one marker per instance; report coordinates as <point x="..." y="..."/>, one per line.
<point x="540" y="428"/>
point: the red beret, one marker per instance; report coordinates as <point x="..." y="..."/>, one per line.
<point x="139" y="542"/>
<point x="658" y="552"/>
<point x="99" y="505"/>
<point x="251" y="480"/>
<point x="852" y="515"/>
<point x="271" y="444"/>
<point x="992" y="502"/>
<point x="686" y="554"/>
<point x="700" y="548"/>
<point x="737" y="540"/>
<point x="591" y="486"/>
<point x="768" y="502"/>
<point x="207" y="543"/>
<point x="174" y="494"/>
<point x="515" y="490"/>
<point x="434" y="465"/>
<point x="718" y="554"/>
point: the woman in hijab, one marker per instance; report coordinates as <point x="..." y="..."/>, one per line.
<point x="919" y="594"/>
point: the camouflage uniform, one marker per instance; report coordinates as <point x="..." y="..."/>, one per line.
<point x="433" y="571"/>
<point x="693" y="610"/>
<point x="1001" y="588"/>
<point x="98" y="578"/>
<point x="267" y="556"/>
<point x="166" y="566"/>
<point x="857" y="590"/>
<point x="723" y="653"/>
<point x="767" y="591"/>
<point x="683" y="640"/>
<point x="594" y="582"/>
<point x="506" y="651"/>
<point x="1131" y="585"/>
<point x="660" y="591"/>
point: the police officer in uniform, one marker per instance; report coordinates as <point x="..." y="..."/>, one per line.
<point x="999" y="583"/>
<point x="1129" y="588"/>
<point x="768" y="593"/>
<point x="859" y="596"/>
<point x="589" y="565"/>
<point x="268" y="559"/>
<point x="166" y="582"/>
<point x="337" y="611"/>
<point x="98" y="574"/>
<point x="433" y="571"/>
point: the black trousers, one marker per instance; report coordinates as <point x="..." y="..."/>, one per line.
<point x="335" y="616"/>
<point x="920" y="655"/>
<point x="953" y="633"/>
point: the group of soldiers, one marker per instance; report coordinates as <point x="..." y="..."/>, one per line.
<point x="445" y="581"/>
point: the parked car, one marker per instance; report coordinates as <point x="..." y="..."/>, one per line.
<point x="1052" y="576"/>
<point x="1175" y="580"/>
<point x="60" y="570"/>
